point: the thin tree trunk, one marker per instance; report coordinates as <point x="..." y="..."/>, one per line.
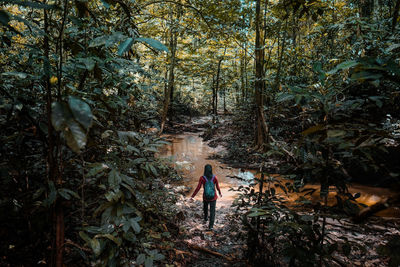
<point x="245" y="70"/>
<point x="53" y="171"/>
<point x="213" y="97"/>
<point x="261" y="127"/>
<point x="242" y="79"/>
<point x="217" y="88"/>
<point x="171" y="78"/>
<point x="395" y="15"/>
<point x="278" y="72"/>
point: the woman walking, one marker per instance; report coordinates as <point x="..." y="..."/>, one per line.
<point x="209" y="181"/>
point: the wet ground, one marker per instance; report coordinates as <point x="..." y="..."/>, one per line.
<point x="189" y="153"/>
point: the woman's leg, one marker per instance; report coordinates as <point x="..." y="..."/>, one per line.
<point x="205" y="209"/>
<point x="212" y="213"/>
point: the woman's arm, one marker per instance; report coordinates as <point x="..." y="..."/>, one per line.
<point x="198" y="187"/>
<point x="216" y="183"/>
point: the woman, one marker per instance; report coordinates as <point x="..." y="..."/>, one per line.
<point x="209" y="181"/>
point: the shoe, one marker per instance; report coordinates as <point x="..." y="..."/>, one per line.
<point x="210" y="228"/>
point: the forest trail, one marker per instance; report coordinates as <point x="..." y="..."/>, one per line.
<point x="189" y="153"/>
<point x="209" y="248"/>
<point x="220" y="247"/>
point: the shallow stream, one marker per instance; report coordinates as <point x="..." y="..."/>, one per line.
<point x="189" y="153"/>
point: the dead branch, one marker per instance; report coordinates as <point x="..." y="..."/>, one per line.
<point x="198" y="248"/>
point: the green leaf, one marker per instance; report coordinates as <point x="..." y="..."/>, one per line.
<point x="16" y="74"/>
<point x="257" y="214"/>
<point x="148" y="262"/>
<point x="116" y="240"/>
<point x="59" y="115"/>
<point x="95" y="245"/>
<point x="392" y="47"/>
<point x="153" y="170"/>
<point x="89" y="63"/>
<point x="96" y="168"/>
<point x="159" y="257"/>
<point x="64" y="194"/>
<point x="81" y="111"/>
<point x="153" y="43"/>
<point x="105" y="4"/>
<point x="99" y="41"/>
<point x="365" y="75"/>
<point x="125" y="46"/>
<point x="140" y="259"/>
<point x="75" y="136"/>
<point x="4" y="17"/>
<point x="84" y="236"/>
<point x="70" y="192"/>
<point x="344" y="65"/>
<point x="377" y="100"/>
<point x="114" y="179"/>
<point x="135" y="226"/>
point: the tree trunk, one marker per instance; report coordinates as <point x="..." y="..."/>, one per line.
<point x="366" y="8"/>
<point x="213" y="98"/>
<point x="278" y="72"/>
<point x="216" y="89"/>
<point x="171" y="78"/>
<point x="261" y="127"/>
<point x="242" y="79"/>
<point x="395" y="15"/>
<point x="53" y="171"/>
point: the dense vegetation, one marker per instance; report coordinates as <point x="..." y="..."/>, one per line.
<point x="312" y="84"/>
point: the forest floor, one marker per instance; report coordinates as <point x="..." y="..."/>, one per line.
<point x="199" y="247"/>
<point x="208" y="248"/>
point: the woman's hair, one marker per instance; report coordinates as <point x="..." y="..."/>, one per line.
<point x="208" y="171"/>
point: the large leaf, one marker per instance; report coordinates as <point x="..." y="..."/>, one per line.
<point x="313" y="129"/>
<point x="344" y="65"/>
<point x="116" y="240"/>
<point x="114" y="179"/>
<point x="365" y="75"/>
<point x="59" y="115"/>
<point x="148" y="262"/>
<point x="81" y="111"/>
<point x="75" y="136"/>
<point x="96" y="168"/>
<point x="95" y="245"/>
<point x="125" y="46"/>
<point x="4" y="17"/>
<point x="135" y="225"/>
<point x="153" y="43"/>
<point x="20" y="75"/>
<point x="140" y="259"/>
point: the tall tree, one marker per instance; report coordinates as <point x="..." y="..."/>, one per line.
<point x="261" y="126"/>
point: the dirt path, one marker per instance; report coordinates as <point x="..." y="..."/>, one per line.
<point x="199" y="246"/>
<point x="201" y="242"/>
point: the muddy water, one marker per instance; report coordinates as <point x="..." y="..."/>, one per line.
<point x="189" y="153"/>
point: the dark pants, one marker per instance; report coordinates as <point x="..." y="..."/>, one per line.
<point x="212" y="211"/>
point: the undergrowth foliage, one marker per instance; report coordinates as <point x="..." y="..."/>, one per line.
<point x="78" y="172"/>
<point x="277" y="232"/>
<point x="131" y="200"/>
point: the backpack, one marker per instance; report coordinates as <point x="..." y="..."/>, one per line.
<point x="209" y="188"/>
